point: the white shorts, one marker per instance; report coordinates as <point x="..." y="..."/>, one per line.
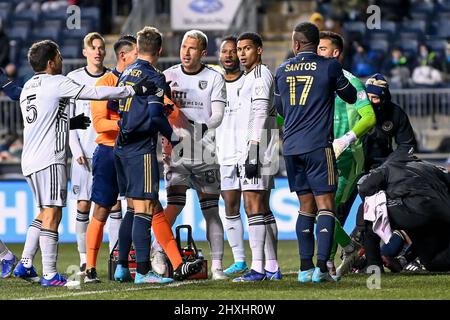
<point x="201" y="177"/>
<point x="231" y="179"/>
<point x="81" y="181"/>
<point x="49" y="186"/>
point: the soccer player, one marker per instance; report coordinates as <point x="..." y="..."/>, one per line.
<point x="82" y="142"/>
<point x="200" y="93"/>
<point x="137" y="166"/>
<point x="351" y="123"/>
<point x="8" y="259"/>
<point x="256" y="151"/>
<point x="105" y="189"/>
<point x="227" y="138"/>
<point x="304" y="94"/>
<point x="44" y="106"/>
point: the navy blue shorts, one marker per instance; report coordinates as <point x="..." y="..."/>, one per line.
<point x="105" y="188"/>
<point x="138" y="176"/>
<point x="313" y="172"/>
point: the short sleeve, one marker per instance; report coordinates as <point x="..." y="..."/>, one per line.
<point x="336" y="75"/>
<point x="262" y="87"/>
<point x="219" y="90"/>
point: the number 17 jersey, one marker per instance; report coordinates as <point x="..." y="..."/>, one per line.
<point x="306" y="86"/>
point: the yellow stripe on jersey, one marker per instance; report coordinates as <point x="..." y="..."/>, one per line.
<point x="147" y="173"/>
<point x="330" y="166"/>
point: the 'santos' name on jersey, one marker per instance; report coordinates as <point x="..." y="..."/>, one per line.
<point x="301" y="66"/>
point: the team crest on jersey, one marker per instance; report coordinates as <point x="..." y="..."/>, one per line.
<point x="361" y="95"/>
<point x="259" y="91"/>
<point x="202" y="84"/>
<point x="387" y="126"/>
<point x="75" y="189"/>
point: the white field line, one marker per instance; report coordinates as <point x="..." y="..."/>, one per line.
<point x="75" y="293"/>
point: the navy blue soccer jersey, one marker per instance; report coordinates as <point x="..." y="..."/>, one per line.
<point x="142" y="117"/>
<point x="305" y="88"/>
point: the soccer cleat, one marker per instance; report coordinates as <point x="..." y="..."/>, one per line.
<point x="319" y="276"/>
<point x="187" y="269"/>
<point x="151" y="277"/>
<point x="332" y="270"/>
<point x="251" y="276"/>
<point x="91" y="276"/>
<point x="57" y="281"/>
<point x="218" y="274"/>
<point x="28" y="274"/>
<point x="415" y="266"/>
<point x="158" y="261"/>
<point x="8" y="266"/>
<point x="273" y="275"/>
<point x="305" y="276"/>
<point x="122" y="274"/>
<point x="348" y="261"/>
<point x="236" y="268"/>
<point x="82" y="271"/>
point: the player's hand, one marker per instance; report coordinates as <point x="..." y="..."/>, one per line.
<point x="79" y="122"/>
<point x="252" y="163"/>
<point x="342" y="143"/>
<point x="4" y="80"/>
<point x="145" y="87"/>
<point x="113" y="105"/>
<point x="168" y="109"/>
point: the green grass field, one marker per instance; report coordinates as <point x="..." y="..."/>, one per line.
<point x="425" y="286"/>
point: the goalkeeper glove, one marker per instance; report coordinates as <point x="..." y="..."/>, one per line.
<point x="342" y="143"/>
<point x="79" y="122"/>
<point x="252" y="162"/>
<point x="145" y="87"/>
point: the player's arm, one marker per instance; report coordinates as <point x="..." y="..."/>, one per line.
<point x="68" y="88"/>
<point x="74" y="139"/>
<point x="344" y="88"/>
<point x="404" y="137"/>
<point x="373" y="182"/>
<point x="362" y="126"/>
<point x="99" y="109"/>
<point x="278" y="101"/>
<point x="11" y="89"/>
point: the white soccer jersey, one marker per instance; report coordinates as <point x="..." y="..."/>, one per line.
<point x="258" y="85"/>
<point x="230" y="130"/>
<point x="45" y="112"/>
<point x="193" y="94"/>
<point x="82" y="142"/>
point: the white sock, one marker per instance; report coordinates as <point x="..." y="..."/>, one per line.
<point x="235" y="235"/>
<point x="256" y="236"/>
<point x="48" y="242"/>
<point x="216" y="264"/>
<point x="31" y="243"/>
<point x="214" y="227"/>
<point x="156" y="246"/>
<point x="271" y="243"/>
<point x="115" y="219"/>
<point x="80" y="228"/>
<point x="5" y="254"/>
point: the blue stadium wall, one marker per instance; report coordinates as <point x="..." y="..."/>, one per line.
<point x="17" y="210"/>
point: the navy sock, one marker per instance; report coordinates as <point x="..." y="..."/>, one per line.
<point x="324" y="232"/>
<point x="394" y="246"/>
<point x="305" y="237"/>
<point x="125" y="239"/>
<point x="142" y="241"/>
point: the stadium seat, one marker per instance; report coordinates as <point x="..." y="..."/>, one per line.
<point x="423" y="6"/>
<point x="46" y="33"/>
<point x="5" y="12"/>
<point x="70" y="52"/>
<point x="437" y="45"/>
<point x="27" y="15"/>
<point x="444" y="29"/>
<point x="415" y="26"/>
<point x="408" y="36"/>
<point x="25" y="72"/>
<point x="14" y="49"/>
<point x="410" y="47"/>
<point x="355" y="26"/>
<point x="378" y="35"/>
<point x="389" y="26"/>
<point x="18" y="33"/>
<point x="53" y="23"/>
<point x="380" y="46"/>
<point x="75" y="33"/>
